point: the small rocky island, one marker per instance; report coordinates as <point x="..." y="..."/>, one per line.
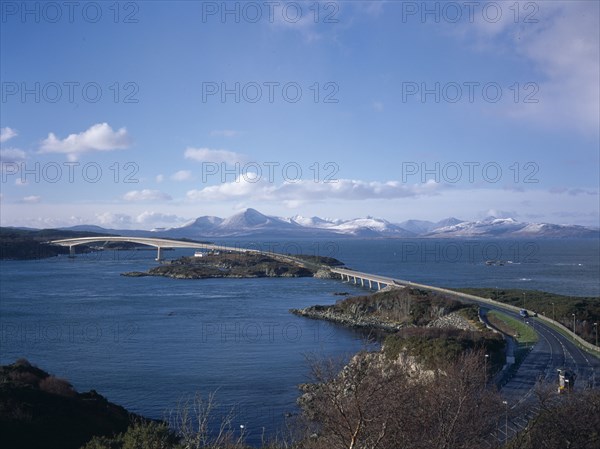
<point x="393" y="309"/>
<point x="217" y="264"/>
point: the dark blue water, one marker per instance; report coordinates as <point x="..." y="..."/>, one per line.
<point x="146" y="342"/>
<point x="564" y="266"/>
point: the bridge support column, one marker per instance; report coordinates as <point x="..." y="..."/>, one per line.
<point x="370" y="285"/>
<point x="354" y="279"/>
<point x="378" y="286"/>
<point x="158" y="254"/>
<point x="362" y="282"/>
<point x="71" y="251"/>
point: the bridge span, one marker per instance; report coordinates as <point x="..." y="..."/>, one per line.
<point x="372" y="280"/>
<point x="366" y="279"/>
<point x="558" y="347"/>
<point x="159" y="244"/>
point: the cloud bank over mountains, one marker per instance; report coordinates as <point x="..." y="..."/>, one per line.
<point x="252" y="223"/>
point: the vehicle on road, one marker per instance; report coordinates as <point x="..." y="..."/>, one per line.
<point x="566" y="380"/>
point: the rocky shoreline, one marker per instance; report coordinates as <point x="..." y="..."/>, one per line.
<point x="234" y="265"/>
<point x="391" y="310"/>
<point x="327" y="313"/>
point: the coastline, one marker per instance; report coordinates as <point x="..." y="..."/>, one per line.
<point x="215" y="265"/>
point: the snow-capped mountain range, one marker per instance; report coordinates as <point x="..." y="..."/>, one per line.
<point x="252" y="223"/>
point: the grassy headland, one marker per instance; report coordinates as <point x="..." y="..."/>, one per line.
<point x="23" y="244"/>
<point x="558" y="307"/>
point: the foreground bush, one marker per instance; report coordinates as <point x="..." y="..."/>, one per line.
<point x="141" y="435"/>
<point x="379" y="403"/>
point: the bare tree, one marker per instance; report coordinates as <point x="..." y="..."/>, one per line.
<point x="375" y="403"/>
<point x="458" y="411"/>
<point x="570" y="421"/>
<point x="197" y="423"/>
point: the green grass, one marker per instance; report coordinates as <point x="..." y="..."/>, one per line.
<point x="435" y="347"/>
<point x="524" y="334"/>
<point x="551" y="305"/>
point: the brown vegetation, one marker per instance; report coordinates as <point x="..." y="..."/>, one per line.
<point x="378" y="403"/>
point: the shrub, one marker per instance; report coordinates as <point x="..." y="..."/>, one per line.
<point x="22" y="362"/>
<point x="104" y="443"/>
<point x="149" y="435"/>
<point x="24" y="377"/>
<point x="56" y="385"/>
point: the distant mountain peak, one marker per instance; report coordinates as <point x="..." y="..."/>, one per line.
<point x="251" y="222"/>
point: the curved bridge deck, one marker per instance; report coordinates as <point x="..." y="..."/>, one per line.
<point x="372" y="280"/>
<point x="149" y="241"/>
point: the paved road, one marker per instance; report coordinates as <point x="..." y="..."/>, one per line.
<point x="553" y="350"/>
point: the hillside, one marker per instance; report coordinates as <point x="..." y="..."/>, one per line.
<point x="38" y="410"/>
<point x="25" y="244"/>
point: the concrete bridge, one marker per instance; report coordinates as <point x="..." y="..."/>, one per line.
<point x="367" y="279"/>
<point x="159" y="244"/>
<point x="558" y="346"/>
<point x="372" y="280"/>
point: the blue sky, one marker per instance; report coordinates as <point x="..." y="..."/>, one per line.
<point x="148" y="114"/>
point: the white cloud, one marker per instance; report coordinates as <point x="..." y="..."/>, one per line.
<point x="158" y="218"/>
<point x="464" y="203"/>
<point x="32" y="199"/>
<point x="12" y="155"/>
<point x="210" y="155"/>
<point x="146" y="220"/>
<point x="224" y="133"/>
<point x="146" y="195"/>
<point x="573" y="191"/>
<point x="111" y="219"/>
<point x="255" y="188"/>
<point x="182" y="175"/>
<point x="498" y="214"/>
<point x="562" y="47"/>
<point x="160" y="178"/>
<point x="99" y="137"/>
<point x="297" y="17"/>
<point x="7" y="134"/>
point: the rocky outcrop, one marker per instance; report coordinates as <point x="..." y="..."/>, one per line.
<point x="453" y="321"/>
<point x="390" y="310"/>
<point x="229" y="265"/>
<point x="324" y="273"/>
<point x="329" y="313"/>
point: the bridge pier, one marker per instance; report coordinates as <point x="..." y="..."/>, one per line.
<point x="370" y="285"/>
<point x="72" y="251"/>
<point x="158" y="254"/>
<point x="378" y="285"/>
<point x="362" y="282"/>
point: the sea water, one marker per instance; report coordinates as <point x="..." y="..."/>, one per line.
<point x="147" y="343"/>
